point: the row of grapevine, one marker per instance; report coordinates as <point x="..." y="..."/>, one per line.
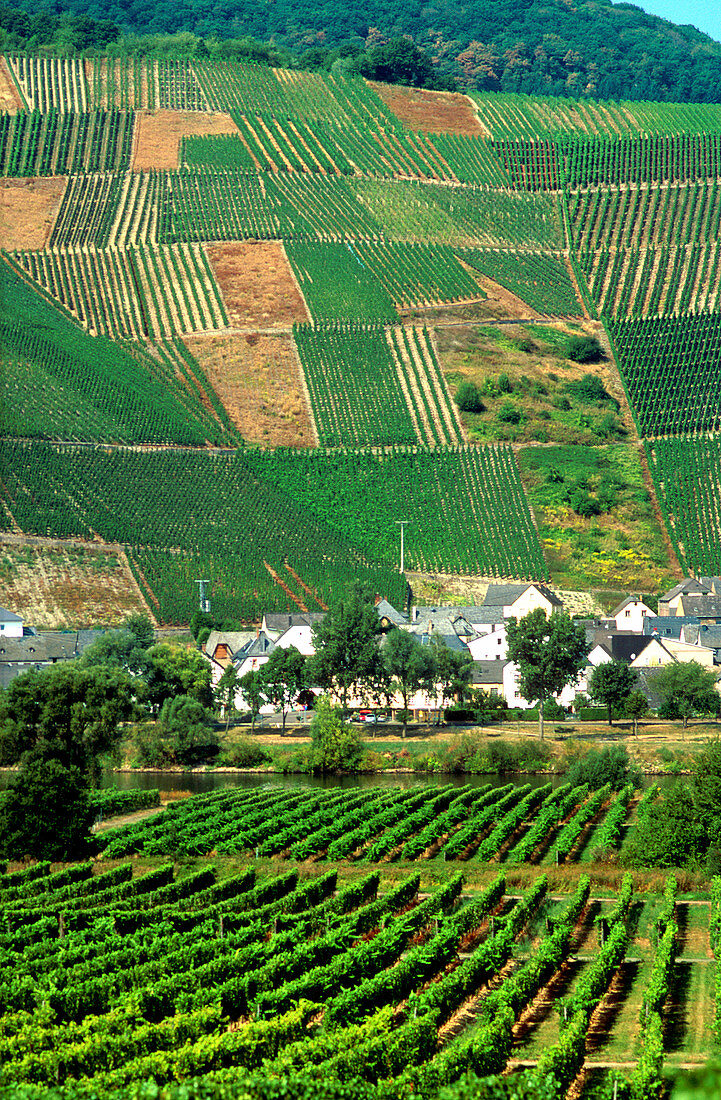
<point x="531" y="165"/>
<point x="337" y="285"/>
<point x="55" y="143"/>
<point x="678" y="214"/>
<point x="485" y="523"/>
<point x="639" y="160"/>
<point x="126" y="83"/>
<point x="435" y="417"/>
<point x="62" y="382"/>
<point x="144" y="500"/>
<point x="136" y="292"/>
<point x="512" y="116"/>
<point x="417" y="274"/>
<point x="656" y="280"/>
<point x="47" y="83"/>
<point x="354" y="389"/>
<point x="541" y="279"/>
<point x="671" y="367"/>
<point x="373" y="825"/>
<point x="686" y="475"/>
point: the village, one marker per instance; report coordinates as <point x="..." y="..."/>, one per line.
<point x="686" y="627"/>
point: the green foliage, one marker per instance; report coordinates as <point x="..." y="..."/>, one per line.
<point x="347" y="659"/>
<point x="336" y="746"/>
<point x="509" y="413"/>
<point x="468" y="398"/>
<point x="669" y="834"/>
<point x="549" y="652"/>
<point x="611" y="765"/>
<point x="46" y="812"/>
<point x="686" y="688"/>
<point x="588" y="389"/>
<point x="184" y="721"/>
<point x="612" y="683"/>
<point x="585" y="349"/>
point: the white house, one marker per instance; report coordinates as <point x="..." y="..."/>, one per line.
<point x="518" y="600"/>
<point x="11" y="625"/>
<point x="630" y="615"/>
<point x="490" y="647"/>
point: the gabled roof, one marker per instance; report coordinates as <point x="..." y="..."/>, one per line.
<point x="260" y="646"/>
<point x="233" y="639"/>
<point x="501" y="595"/>
<point x="50" y="645"/>
<point x="9" y="616"/>
<point x="386" y="610"/>
<point x="625" y="603"/>
<point x="690" y="585"/>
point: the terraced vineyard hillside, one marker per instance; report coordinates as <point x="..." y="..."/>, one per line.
<point x="274" y="281"/>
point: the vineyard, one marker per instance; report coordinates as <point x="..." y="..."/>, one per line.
<point x="143" y="171"/>
<point x="180" y="512"/>
<point x="354" y="972"/>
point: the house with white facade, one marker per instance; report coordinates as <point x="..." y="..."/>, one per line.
<point x="11" y="625"/>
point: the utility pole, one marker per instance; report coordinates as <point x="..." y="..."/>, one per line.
<point x="204" y="602"/>
<point x="402" y="524"/>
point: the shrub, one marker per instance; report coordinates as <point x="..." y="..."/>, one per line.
<point x="584" y="349"/>
<point x="587" y="389"/>
<point x="504" y="383"/>
<point x="583" y="504"/>
<point x="468" y="398"/>
<point x="245" y="753"/>
<point x="509" y="414"/>
<point x="612" y="765"/>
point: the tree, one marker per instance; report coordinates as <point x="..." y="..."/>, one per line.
<point x="669" y="834"/>
<point x="399" y="61"/>
<point x="251" y="687"/>
<point x="225" y="691"/>
<point x="336" y="746"/>
<point x="178" y="670"/>
<point x="117" y="649"/>
<point x="184" y="721"/>
<point x="611" y="684"/>
<point x="407" y="664"/>
<point x="686" y="688"/>
<point x="283" y="677"/>
<point x="347" y="657"/>
<point x="549" y="653"/>
<point x="46" y="812"/>
<point x="67" y="712"/>
<point x="706" y="787"/>
<point x="636" y="707"/>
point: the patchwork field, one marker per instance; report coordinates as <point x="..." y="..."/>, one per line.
<point x="259" y="380"/>
<point x="402" y="244"/>
<point x="160" y="133"/>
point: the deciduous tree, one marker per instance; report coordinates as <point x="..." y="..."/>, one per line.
<point x="611" y="684"/>
<point x="347" y="658"/>
<point x="549" y="653"/>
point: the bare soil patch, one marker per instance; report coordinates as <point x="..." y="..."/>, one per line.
<point x="54" y="587"/>
<point x="158" y="134"/>
<point x="10" y="100"/>
<point x="258" y="380"/>
<point x="257" y="284"/>
<point x="432" y="112"/>
<point x="28" y="208"/>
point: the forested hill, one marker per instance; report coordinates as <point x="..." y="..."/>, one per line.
<point x="550" y="47"/>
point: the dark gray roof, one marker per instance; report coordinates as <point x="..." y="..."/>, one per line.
<point x="386" y="610"/>
<point x="487" y="672"/>
<point x="622" y="645"/>
<point x="9" y="616"/>
<point x="668" y="626"/>
<point x="451" y="640"/>
<point x="474" y="616"/>
<point x="705" y="607"/>
<point x="500" y="595"/>
<point x="713" y="584"/>
<point x="17" y="655"/>
<point x="689" y="584"/>
<point x="261" y="646"/>
<point x="282" y="621"/>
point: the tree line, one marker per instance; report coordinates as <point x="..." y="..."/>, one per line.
<point x="592" y="48"/>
